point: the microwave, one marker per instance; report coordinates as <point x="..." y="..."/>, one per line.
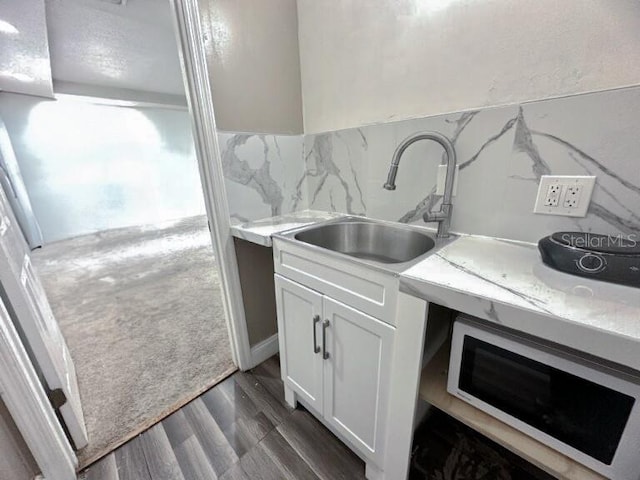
<point x="587" y="411"/>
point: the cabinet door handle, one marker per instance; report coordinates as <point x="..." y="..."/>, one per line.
<point x="316" y="348"/>
<point x="325" y="325"/>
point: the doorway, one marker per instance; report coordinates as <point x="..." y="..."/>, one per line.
<point x="126" y="258"/>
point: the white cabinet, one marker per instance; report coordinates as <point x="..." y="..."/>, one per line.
<point x="299" y="312"/>
<point x="356" y="375"/>
<point x="370" y="291"/>
<point x="336" y="360"/>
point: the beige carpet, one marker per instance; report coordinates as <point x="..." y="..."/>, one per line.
<point x="142" y="314"/>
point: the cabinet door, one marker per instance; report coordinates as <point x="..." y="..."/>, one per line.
<point x="356" y="375"/>
<point x="299" y="318"/>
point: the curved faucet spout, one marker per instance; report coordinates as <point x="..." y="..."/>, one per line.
<point x="443" y="216"/>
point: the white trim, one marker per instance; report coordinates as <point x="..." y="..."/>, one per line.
<point x="373" y="472"/>
<point x="29" y="406"/>
<point x="265" y="349"/>
<point x="200" y="101"/>
<point x="411" y="326"/>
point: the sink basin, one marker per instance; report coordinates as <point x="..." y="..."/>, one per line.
<point x="379" y="242"/>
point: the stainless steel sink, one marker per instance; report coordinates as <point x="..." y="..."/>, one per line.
<point x="379" y="242"/>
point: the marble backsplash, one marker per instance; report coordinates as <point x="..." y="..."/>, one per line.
<point x="262" y="174"/>
<point x="502" y="152"/>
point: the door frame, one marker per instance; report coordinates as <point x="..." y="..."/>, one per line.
<point x="193" y="60"/>
<point x="30" y="408"/>
<point x="20" y="387"/>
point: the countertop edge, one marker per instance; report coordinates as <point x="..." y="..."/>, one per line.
<point x="260" y="231"/>
<point x="605" y="344"/>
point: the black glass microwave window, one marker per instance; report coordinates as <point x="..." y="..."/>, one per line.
<point x="580" y="413"/>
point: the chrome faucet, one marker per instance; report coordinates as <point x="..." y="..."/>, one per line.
<point x="442" y="216"/>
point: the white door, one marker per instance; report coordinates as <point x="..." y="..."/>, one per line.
<point x="299" y="333"/>
<point x="356" y="376"/>
<point x="31" y="310"/>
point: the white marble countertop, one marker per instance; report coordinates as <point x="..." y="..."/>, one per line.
<point x="260" y="231"/>
<point x="506" y="282"/>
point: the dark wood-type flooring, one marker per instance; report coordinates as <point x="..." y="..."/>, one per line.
<point x="239" y="430"/>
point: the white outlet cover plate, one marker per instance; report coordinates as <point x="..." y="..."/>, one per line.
<point x="564" y="181"/>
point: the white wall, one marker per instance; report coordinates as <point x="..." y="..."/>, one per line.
<point x="253" y="58"/>
<point x="365" y="62"/>
<point x="94" y="167"/>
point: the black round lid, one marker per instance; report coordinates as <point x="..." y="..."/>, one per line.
<point x="598" y="243"/>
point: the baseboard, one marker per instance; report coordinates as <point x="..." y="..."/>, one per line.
<point x="264" y="350"/>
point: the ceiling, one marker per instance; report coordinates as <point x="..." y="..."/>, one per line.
<point x="103" y="44"/>
<point x="24" y="56"/>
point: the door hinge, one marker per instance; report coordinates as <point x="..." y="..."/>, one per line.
<point x="57" y="398"/>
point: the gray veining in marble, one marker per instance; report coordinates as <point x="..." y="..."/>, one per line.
<point x="327" y="180"/>
<point x="261" y="172"/>
<point x="533" y="301"/>
<point x="258" y="179"/>
<point x="507" y="283"/>
<point x="431" y="200"/>
<point x="502" y="154"/>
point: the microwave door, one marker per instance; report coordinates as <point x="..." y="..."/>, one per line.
<point x="576" y="411"/>
<point x="508" y="382"/>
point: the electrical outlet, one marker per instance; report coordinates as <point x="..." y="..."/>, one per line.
<point x="564" y="195"/>
<point x="572" y="196"/>
<point x="553" y="195"/>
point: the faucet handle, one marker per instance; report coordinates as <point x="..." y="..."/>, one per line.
<point x="442" y="214"/>
<point x="429" y="217"/>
